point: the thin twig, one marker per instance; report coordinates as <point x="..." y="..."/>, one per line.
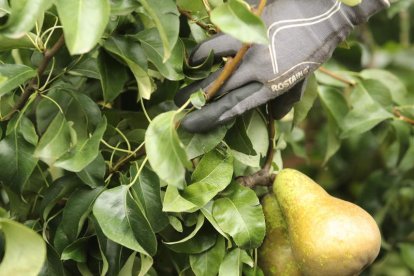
<point x="192" y="19"/>
<point x="398" y="114"/>
<point x="139" y="152"/>
<point x="33" y="84"/>
<point x="207" y="6"/>
<point x="232" y="63"/>
<point x="337" y="77"/>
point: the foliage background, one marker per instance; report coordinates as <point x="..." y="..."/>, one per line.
<point x="92" y="161"/>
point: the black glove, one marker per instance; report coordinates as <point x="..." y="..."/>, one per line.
<point x="302" y="33"/>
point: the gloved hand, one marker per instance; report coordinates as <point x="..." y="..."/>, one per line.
<point x="303" y="34"/>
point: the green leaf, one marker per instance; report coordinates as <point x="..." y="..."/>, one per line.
<point x="93" y="174"/>
<point x="127" y="49"/>
<point x="197" y="144"/>
<point x="249" y="136"/>
<point x="240" y="214"/>
<point x="124" y="7"/>
<point x="87" y="67"/>
<point x="238" y="139"/>
<point x="196" y="7"/>
<point x="212" y="175"/>
<point x="165" y="15"/>
<point x="123" y="221"/>
<point x="14" y="75"/>
<point x="407" y="254"/>
<point x="128" y="267"/>
<point x="147" y="191"/>
<point x="198" y="99"/>
<point x="84" y="152"/>
<point x="113" y="76"/>
<point x="171" y="68"/>
<point x="111" y="252"/>
<point x="84" y="22"/>
<point x="208" y="263"/>
<point x="85" y="132"/>
<point x="60" y="188"/>
<point x="77" y="107"/>
<point x="53" y="264"/>
<point x="202" y="242"/>
<point x="131" y="265"/>
<point x="24" y="42"/>
<point x="77" y="210"/>
<point x="251" y="129"/>
<point x="334" y="141"/>
<point x="334" y="103"/>
<point x="26" y="128"/>
<point x="4" y="8"/>
<point x="23" y="16"/>
<point x="165" y="152"/>
<point x="379" y="92"/>
<point x="303" y="107"/>
<point x="25" y="250"/>
<point x="174" y="202"/>
<point x="76" y="251"/>
<point x="396" y="87"/>
<point x="336" y="108"/>
<point x="407" y="161"/>
<point x="365" y="115"/>
<point x="199" y="224"/>
<point x="56" y="141"/>
<point x="207" y="211"/>
<point x="176" y="224"/>
<point x="235" y="19"/>
<point x="232" y="264"/>
<point x="134" y="56"/>
<point x="17" y="161"/>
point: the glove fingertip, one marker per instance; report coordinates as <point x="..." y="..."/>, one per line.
<point x="194" y="123"/>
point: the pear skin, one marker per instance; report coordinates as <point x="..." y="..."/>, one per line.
<point x="328" y="236"/>
<point x="275" y="255"/>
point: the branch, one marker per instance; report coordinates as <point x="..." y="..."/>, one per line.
<point x="261" y="178"/>
<point x="232" y="63"/>
<point x="337" y="77"/>
<point x="398" y="114"/>
<point x="33" y="84"/>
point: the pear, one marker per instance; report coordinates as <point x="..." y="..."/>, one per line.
<point x="275" y="254"/>
<point x="328" y="236"/>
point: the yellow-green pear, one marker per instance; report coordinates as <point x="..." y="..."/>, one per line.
<point x="275" y="255"/>
<point x="328" y="236"/>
